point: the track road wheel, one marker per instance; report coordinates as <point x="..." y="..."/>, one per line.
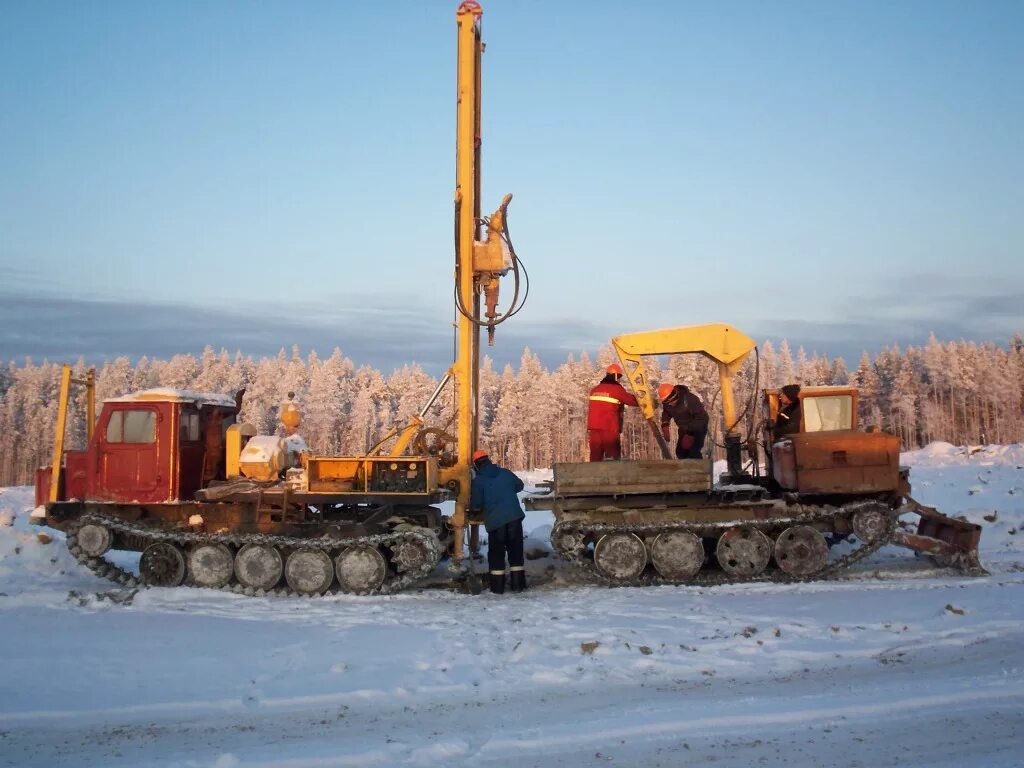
<point x="162" y="565"/>
<point x="569" y="544"/>
<point x="743" y="551"/>
<point x="211" y="565"/>
<point x="309" y="571"/>
<point x="677" y="555"/>
<point x="258" y="566"/>
<point x="94" y="539"/>
<point x="408" y="555"/>
<point x="801" y="551"/>
<point x="620" y="556"/>
<point x="361" y="569"/>
<point x="871" y="522"/>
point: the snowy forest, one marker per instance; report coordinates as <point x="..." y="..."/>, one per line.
<point x="960" y="392"/>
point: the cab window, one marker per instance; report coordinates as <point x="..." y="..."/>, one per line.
<point x="189" y="431"/>
<point x="828" y="413"/>
<point x="136" y="426"/>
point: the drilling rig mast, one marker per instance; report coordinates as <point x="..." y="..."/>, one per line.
<point x="479" y="265"/>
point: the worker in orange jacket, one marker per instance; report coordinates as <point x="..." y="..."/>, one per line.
<point x="608" y="401"/>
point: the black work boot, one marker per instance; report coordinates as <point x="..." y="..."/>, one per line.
<point x="498" y="583"/>
<point x="518" y="581"/>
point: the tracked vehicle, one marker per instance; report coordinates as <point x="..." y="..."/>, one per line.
<point x="208" y="502"/>
<point x="799" y="506"/>
<point x="171" y="474"/>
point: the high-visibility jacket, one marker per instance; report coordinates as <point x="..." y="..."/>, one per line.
<point x="608" y="400"/>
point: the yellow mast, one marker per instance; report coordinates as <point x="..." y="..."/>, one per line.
<point x="479" y="265"/>
<point x="467" y="212"/>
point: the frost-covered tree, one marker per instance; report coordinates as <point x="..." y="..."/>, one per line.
<point x="768" y="366"/>
<point x="786" y="370"/>
<point x="508" y="414"/>
<point x="180" y="372"/>
<point x="295" y="377"/>
<point x="903" y="401"/>
<point x="217" y="373"/>
<point x="962" y="392"/>
<point x="489" y="387"/>
<point x="365" y="428"/>
<point x="838" y="374"/>
<point x="327" y="403"/>
<point x="866" y="381"/>
<point x="261" y="401"/>
<point x="114" y="379"/>
<point x="803" y="372"/>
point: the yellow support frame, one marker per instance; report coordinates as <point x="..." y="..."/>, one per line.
<point x="66" y="380"/>
<point x="724" y="344"/>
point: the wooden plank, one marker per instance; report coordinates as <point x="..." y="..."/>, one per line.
<point x="626" y="477"/>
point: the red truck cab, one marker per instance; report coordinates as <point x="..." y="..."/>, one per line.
<point x="154" y="446"/>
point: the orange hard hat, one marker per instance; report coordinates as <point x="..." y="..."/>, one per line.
<point x="478" y="454"/>
<point x="665" y="390"/>
<point x="614" y="368"/>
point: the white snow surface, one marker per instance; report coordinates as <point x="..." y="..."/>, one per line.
<point x="897" y="663"/>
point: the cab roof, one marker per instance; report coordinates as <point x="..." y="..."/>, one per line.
<point x="168" y="395"/>
<point x="810" y="390"/>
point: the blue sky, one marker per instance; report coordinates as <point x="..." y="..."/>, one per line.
<point x="845" y="175"/>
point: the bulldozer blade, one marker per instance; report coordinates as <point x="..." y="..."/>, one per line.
<point x="951" y="541"/>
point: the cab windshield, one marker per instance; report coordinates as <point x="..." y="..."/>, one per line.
<point x="826" y="413"/>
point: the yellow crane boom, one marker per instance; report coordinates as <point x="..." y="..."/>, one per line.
<point x="724" y="344"/>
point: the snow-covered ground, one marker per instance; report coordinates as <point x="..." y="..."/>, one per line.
<point x="898" y="663"/>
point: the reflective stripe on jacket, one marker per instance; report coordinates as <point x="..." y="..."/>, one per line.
<point x="607" y="403"/>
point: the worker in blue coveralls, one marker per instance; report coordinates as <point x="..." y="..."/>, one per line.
<point x="494" y="493"/>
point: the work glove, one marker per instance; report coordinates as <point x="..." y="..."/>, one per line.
<point x="686" y="441"/>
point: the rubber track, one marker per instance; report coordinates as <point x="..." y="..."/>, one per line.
<point x="803" y="515"/>
<point x="108" y="570"/>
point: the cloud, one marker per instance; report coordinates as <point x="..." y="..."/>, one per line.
<point x="905" y="312"/>
<point x="388" y="332"/>
<point x="383" y="333"/>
